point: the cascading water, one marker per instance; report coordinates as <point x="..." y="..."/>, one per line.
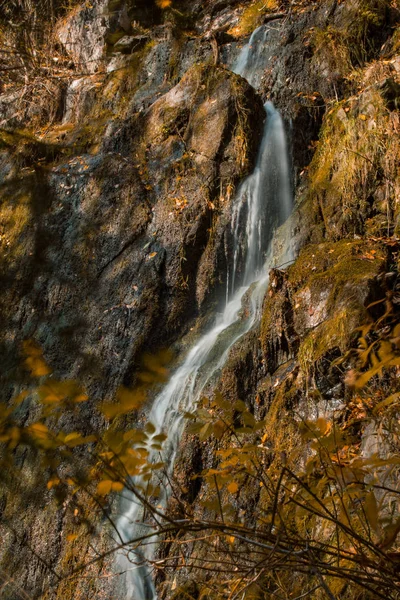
<point x="262" y="203"/>
<point x="255" y="55"/>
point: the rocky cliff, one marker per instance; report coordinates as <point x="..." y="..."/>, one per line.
<point x="117" y="181"/>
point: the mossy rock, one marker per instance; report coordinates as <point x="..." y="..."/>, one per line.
<point x="252" y="16"/>
<point x="330" y="285"/>
<point x="315" y="306"/>
<point x="355" y="160"/>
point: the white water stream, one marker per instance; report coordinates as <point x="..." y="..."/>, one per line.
<point x="263" y="202"/>
<point x="255" y="55"/>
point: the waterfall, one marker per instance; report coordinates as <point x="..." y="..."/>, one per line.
<point x="254" y="56"/>
<point x="262" y="203"/>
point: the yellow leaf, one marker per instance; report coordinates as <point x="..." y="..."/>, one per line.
<point x="81" y="398"/>
<point x="390" y="534"/>
<point x="13" y="437"/>
<point x="52" y="482"/>
<point x="72" y="437"/>
<point x="152" y="254"/>
<point x="117" y="486"/>
<point x="362" y="117"/>
<point x="396" y="331"/>
<point x="104" y="487"/>
<point x="38" y="429"/>
<point x="21" y="397"/>
<point x="150" y="428"/>
<point x="42" y="435"/>
<point x="37" y="366"/>
<point x="128" y="400"/>
<point x="323" y="425"/>
<point x="34" y="360"/>
<point x="71" y="537"/>
<point x="155" y="370"/>
<point x="76" y="439"/>
<point x="48" y="395"/>
<point x="233" y="487"/>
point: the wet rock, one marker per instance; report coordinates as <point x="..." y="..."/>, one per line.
<point x="278" y="336"/>
<point x="118" y="250"/>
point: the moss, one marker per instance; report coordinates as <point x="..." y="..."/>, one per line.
<point x="345" y="260"/>
<point x="174" y="59"/>
<point x="187" y="591"/>
<point x="252" y="16"/>
<point x="319" y="258"/>
<point x="350" y="44"/>
<point x="395" y="42"/>
<point x="331" y="49"/>
<point x="14" y="216"/>
<point x="363" y="21"/>
<point x="356" y="154"/>
<point x="336" y="277"/>
<point x="112" y="97"/>
<point x="333" y="333"/>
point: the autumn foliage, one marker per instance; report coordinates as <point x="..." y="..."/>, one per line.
<point x="327" y="515"/>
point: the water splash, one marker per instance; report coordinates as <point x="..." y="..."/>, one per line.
<point x="262" y="203"/>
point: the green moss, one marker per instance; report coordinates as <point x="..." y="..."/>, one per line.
<point x="316" y="260"/>
<point x="363" y="20"/>
<point x="331" y="48"/>
<point x="282" y="432"/>
<point x="395" y="44"/>
<point x="174" y="58"/>
<point x="332" y="333"/>
<point x="187" y="591"/>
<point x="113" y="95"/>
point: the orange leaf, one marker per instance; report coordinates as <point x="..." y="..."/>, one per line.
<point x="233" y="487"/>
<point x="104" y="487"/>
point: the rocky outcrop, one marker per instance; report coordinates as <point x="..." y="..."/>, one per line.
<point x="134" y="232"/>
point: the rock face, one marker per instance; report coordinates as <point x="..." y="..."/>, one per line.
<point x="114" y="218"/>
<point x="133" y="233"/>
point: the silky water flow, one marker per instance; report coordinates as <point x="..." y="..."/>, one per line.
<point x="263" y="202"/>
